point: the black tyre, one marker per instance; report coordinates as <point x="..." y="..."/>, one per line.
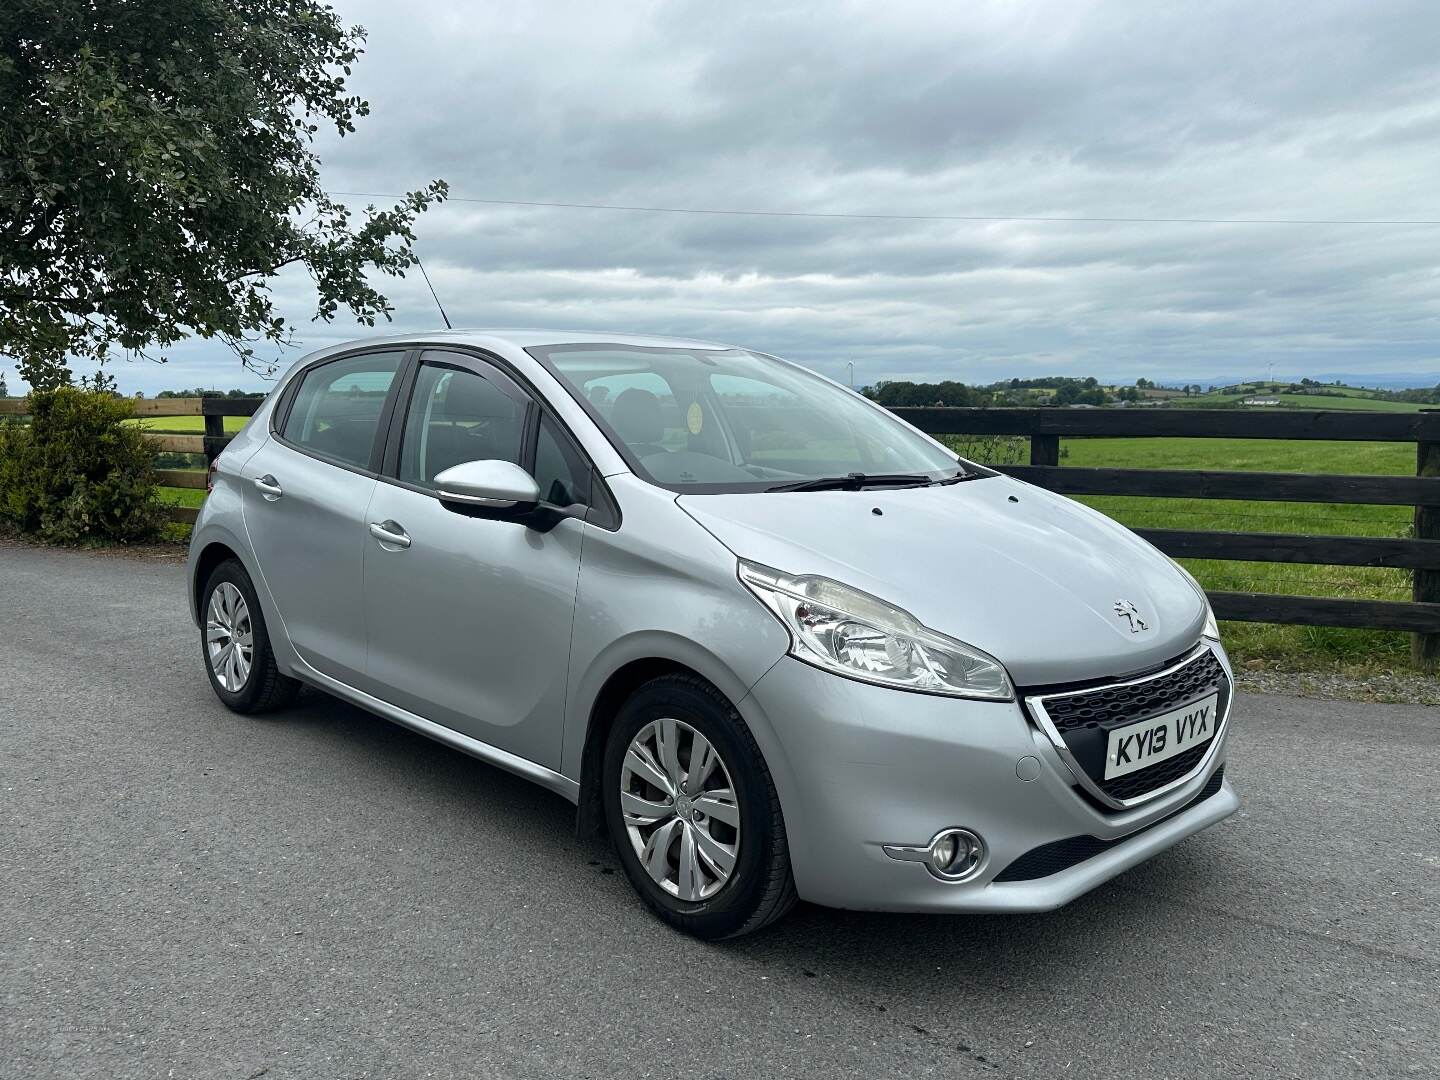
<point x="236" y="646"/>
<point x="693" y="813"/>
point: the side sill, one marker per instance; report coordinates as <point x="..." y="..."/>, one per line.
<point x="491" y="755"/>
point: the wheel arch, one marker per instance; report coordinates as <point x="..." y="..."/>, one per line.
<point x="618" y="687"/>
<point x="616" y="690"/>
<point x="209" y="557"/>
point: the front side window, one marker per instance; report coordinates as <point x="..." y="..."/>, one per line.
<point x="730" y="420"/>
<point x="454" y="416"/>
<point x="336" y="409"/>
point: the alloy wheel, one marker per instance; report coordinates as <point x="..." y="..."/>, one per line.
<point x="229" y="637"/>
<point x="680" y="809"/>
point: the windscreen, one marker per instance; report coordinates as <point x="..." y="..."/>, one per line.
<point x="711" y="421"/>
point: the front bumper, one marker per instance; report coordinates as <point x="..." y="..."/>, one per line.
<point x="859" y="767"/>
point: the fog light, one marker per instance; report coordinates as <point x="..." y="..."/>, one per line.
<point x="953" y="854"/>
<point x="942" y="852"/>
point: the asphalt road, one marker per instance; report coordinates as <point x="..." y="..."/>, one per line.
<point x="187" y="893"/>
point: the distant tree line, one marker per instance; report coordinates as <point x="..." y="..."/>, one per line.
<point x="1062" y="390"/>
<point x="1047" y="390"/>
<point x="1417" y="396"/>
<point x="201" y="391"/>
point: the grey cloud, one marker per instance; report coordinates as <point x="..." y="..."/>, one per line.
<point x="1104" y="109"/>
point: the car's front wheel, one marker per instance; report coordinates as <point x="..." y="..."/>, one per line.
<point x="693" y="813"/>
<point x="236" y="645"/>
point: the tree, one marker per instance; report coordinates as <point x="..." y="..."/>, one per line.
<point x="157" y="166"/>
<point x="4" y="389"/>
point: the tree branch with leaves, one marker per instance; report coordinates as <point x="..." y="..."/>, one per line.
<point x="157" y="168"/>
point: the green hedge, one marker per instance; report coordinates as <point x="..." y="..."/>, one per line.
<point x="77" y="472"/>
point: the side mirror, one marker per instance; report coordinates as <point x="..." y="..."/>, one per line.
<point x="490" y="484"/>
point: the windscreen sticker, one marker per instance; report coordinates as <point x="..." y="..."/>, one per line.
<point x="695" y="418"/>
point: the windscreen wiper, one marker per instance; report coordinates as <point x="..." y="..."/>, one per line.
<point x="856" y="481"/>
<point x="961" y="477"/>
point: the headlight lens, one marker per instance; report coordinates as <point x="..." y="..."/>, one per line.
<point x="1211" y="629"/>
<point x="853" y="633"/>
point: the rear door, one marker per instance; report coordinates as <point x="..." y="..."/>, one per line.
<point x="304" y="497"/>
<point x="470" y="617"/>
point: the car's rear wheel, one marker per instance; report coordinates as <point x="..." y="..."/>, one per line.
<point x="236" y="645"/>
<point x="693" y="813"/>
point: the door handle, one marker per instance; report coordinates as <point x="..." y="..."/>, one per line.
<point x="269" y="487"/>
<point x="390" y="532"/>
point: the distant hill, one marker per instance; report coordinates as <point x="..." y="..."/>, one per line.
<point x="1354" y="380"/>
<point x="1304" y="393"/>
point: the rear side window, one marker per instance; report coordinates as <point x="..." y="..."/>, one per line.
<point x="457" y="416"/>
<point x="336" y="410"/>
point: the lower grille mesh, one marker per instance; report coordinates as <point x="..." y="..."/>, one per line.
<point x="1138" y="783"/>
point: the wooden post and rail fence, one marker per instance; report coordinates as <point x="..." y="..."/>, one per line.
<point x="1044" y="427"/>
<point x="208" y="445"/>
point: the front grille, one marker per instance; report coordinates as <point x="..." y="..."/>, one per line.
<point x="1085" y="717"/>
<point x="1060" y="855"/>
<point x="1116" y="706"/>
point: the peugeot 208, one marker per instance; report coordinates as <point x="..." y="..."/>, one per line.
<point x="774" y="641"/>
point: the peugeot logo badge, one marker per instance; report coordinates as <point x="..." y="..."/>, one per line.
<point x="1124" y="609"/>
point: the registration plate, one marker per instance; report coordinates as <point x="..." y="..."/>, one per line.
<point x="1138" y="746"/>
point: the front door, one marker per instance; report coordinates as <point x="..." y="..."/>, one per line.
<point x="469" y="618"/>
<point x="303" y="499"/>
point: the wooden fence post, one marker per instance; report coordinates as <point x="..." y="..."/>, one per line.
<point x="1044" y="449"/>
<point x="1425" y="648"/>
<point x="214" y="434"/>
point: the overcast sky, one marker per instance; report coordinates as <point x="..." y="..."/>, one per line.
<point x="1309" y="110"/>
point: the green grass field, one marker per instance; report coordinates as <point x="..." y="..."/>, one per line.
<point x="182" y="496"/>
<point x="1294" y="647"/>
<point x="1350" y="400"/>
<point x="186" y="425"/>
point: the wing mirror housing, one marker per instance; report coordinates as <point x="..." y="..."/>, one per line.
<point x="489" y="485"/>
<point x="498" y="490"/>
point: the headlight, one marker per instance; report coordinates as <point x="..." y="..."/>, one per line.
<point x="1211" y="629"/>
<point x="853" y="633"/>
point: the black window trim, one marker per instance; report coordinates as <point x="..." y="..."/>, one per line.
<point x="281" y="415"/>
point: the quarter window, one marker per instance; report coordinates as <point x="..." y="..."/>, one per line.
<point x="563" y="476"/>
<point x="456" y="415"/>
<point x="336" y="410"/>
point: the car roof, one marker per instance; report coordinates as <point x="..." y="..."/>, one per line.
<point x="525" y="337"/>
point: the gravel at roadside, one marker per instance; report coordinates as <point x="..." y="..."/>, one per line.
<point x="1394" y="687"/>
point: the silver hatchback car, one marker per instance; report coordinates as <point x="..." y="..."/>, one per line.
<point x="774" y="641"/>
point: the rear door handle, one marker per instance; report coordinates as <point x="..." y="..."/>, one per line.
<point x="390" y="532"/>
<point x="269" y="486"/>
